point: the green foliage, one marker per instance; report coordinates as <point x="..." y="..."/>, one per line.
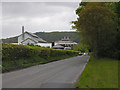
<point x="19" y="56"/>
<point x="80" y="47"/>
<point x="81" y="7"/>
<point x="112" y="6"/>
<point x="97" y="27"/>
<point x="115" y="7"/>
<point x="14" y="52"/>
<point x="101" y="73"/>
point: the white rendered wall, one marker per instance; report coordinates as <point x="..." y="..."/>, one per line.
<point x="45" y="44"/>
<point x="25" y="37"/>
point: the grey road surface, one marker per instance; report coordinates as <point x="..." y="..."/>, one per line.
<point x="59" y="74"/>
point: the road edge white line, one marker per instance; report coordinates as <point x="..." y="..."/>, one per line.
<point x="78" y="76"/>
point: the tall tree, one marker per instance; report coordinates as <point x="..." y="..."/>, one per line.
<point x="115" y="7"/>
<point x="96" y="24"/>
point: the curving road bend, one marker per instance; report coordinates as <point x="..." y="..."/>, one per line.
<point x="58" y="74"/>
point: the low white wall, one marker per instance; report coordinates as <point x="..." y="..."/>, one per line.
<point x="41" y="44"/>
<point x="45" y="44"/>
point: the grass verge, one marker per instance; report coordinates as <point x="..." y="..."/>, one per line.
<point x="102" y="73"/>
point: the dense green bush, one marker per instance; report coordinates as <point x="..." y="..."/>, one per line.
<point x="20" y="56"/>
<point x="14" y="52"/>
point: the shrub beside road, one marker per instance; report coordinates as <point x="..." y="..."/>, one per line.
<point x="21" y="56"/>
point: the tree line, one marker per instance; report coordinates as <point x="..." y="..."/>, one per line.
<point x="98" y="24"/>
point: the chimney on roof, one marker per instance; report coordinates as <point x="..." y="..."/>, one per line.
<point x="22" y="32"/>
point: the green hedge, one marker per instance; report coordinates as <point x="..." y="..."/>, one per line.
<point x="14" y="52"/>
<point x="19" y="56"/>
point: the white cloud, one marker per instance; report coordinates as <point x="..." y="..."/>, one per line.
<point x="37" y="17"/>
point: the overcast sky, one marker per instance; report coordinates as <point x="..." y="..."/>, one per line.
<point x="37" y="17"/>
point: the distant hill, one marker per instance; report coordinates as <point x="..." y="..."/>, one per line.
<point x="49" y="37"/>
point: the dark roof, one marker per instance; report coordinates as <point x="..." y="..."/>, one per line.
<point x="30" y="39"/>
<point x="36" y="38"/>
<point x="32" y="34"/>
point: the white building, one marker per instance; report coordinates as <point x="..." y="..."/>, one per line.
<point x="30" y="38"/>
<point x="64" y="43"/>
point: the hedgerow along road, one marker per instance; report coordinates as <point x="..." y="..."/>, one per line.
<point x="58" y="74"/>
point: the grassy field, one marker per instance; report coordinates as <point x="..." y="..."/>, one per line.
<point x="101" y="73"/>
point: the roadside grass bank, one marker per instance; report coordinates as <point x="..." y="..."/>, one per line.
<point x="21" y="56"/>
<point x="101" y="73"/>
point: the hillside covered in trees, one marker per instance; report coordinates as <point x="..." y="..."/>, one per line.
<point x="48" y="36"/>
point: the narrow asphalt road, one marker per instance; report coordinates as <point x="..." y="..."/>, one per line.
<point x="59" y="74"/>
